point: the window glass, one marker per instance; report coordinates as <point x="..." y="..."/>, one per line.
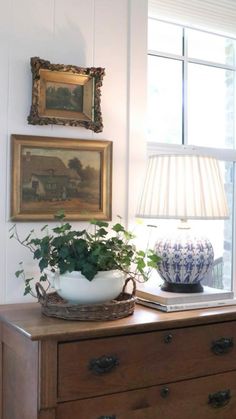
<point x="211" y="47"/>
<point x="165" y="37"/>
<point x="221" y="275"/>
<point x="164" y="100"/>
<point x="207" y="76"/>
<point x="211" y="114"/>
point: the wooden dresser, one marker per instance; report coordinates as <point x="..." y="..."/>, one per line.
<point x="150" y="365"/>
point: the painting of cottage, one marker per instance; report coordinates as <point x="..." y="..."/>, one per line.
<point x="60" y="178"/>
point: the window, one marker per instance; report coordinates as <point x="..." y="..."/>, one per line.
<point x="192" y="103"/>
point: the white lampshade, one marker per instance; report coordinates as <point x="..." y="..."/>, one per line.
<point x="184" y="187"/>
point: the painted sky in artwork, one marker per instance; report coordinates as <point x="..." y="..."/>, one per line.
<point x="87" y="158"/>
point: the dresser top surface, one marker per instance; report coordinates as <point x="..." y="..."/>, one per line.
<point x="28" y="320"/>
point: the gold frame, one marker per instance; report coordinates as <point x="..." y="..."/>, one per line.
<point x="82" y="202"/>
<point x="70" y="77"/>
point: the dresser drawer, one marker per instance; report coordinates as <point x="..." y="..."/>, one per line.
<point x="102" y="366"/>
<point x="205" y="398"/>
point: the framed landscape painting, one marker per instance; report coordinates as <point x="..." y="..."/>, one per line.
<point x="51" y="174"/>
<point x="66" y="95"/>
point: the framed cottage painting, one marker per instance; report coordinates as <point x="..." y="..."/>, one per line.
<point x="50" y="174"/>
<point x="66" y="95"/>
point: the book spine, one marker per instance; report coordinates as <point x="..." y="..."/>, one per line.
<point x="189" y="299"/>
<point x="188" y="306"/>
<point x="192" y="306"/>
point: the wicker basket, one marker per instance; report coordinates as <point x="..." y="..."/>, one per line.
<point x="54" y="306"/>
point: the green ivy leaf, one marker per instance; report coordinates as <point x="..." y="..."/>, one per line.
<point x="43" y="277"/>
<point x="60" y="215"/>
<point x="101" y="232"/>
<point x="43" y="263"/>
<point x="63" y="252"/>
<point x="19" y="272"/>
<point x="141" y="253"/>
<point x="99" y="223"/>
<point x="27" y="289"/>
<point x="37" y="254"/>
<point x="62" y="229"/>
<point x="140" y="264"/>
<point x="89" y="271"/>
<point x="118" y="228"/>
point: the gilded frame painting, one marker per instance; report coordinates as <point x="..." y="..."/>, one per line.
<point x="66" y="95"/>
<point x="50" y="174"/>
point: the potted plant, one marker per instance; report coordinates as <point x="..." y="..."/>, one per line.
<point x="86" y="266"/>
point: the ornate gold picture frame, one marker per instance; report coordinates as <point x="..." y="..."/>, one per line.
<point x="66" y="95"/>
<point x="49" y="174"/>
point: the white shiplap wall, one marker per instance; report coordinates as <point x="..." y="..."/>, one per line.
<point x="84" y="33"/>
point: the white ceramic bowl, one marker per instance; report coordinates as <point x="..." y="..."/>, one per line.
<point x="77" y="289"/>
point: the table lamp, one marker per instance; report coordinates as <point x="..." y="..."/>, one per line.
<point x="183" y="186"/>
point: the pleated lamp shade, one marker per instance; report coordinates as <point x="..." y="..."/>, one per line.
<point x="183" y="187"/>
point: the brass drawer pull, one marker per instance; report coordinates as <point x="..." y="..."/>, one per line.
<point x="104" y="364"/>
<point x="219" y="399"/>
<point x="222" y="346"/>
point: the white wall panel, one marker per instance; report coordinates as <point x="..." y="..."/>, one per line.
<point x="77" y="32"/>
<point x="73" y="45"/>
<point x="73" y="32"/>
<point x="138" y="102"/>
<point x="111" y="49"/>
<point x="31" y="34"/>
<point x="4" y="77"/>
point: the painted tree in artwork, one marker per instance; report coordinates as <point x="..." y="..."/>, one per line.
<point x="76" y="165"/>
<point x="87" y="174"/>
<point x="77" y="96"/>
<point x="58" y="98"/>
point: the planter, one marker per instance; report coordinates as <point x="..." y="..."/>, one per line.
<point x="76" y="289"/>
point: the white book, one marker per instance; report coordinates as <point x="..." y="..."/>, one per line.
<point x="151" y="291"/>
<point x="186" y="306"/>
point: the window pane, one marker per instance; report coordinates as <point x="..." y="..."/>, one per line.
<point x="221" y="275"/>
<point x="164" y="100"/>
<point x="205" y="46"/>
<point x="211" y="99"/>
<point x="164" y="37"/>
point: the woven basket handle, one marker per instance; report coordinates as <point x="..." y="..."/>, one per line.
<point x="133" y="283"/>
<point x="40" y="291"/>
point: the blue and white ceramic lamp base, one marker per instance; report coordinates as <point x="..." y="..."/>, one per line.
<point x="185" y="262"/>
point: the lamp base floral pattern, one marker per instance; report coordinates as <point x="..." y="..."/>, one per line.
<point x="184" y="262"/>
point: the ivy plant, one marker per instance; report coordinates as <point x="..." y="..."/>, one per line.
<point x="100" y="248"/>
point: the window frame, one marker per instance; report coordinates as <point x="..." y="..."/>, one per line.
<point x="186" y="59"/>
<point x="221" y="154"/>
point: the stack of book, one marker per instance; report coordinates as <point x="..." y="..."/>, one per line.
<point x="151" y="295"/>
